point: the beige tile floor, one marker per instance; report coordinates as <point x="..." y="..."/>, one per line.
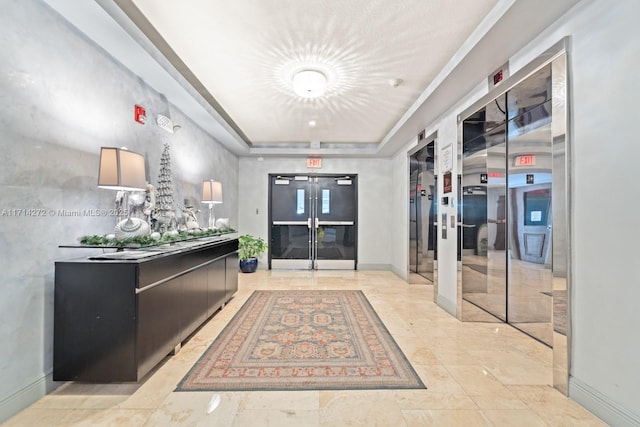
<point x="477" y="374"/>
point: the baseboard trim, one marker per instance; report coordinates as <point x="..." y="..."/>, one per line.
<point x="403" y="274"/>
<point x="600" y="405"/>
<point x="447" y="305"/>
<point x="26" y="396"/>
<point x="383" y="267"/>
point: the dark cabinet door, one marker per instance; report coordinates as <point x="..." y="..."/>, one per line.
<point x="193" y="304"/>
<point x="94" y="318"/>
<point x="116" y="320"/>
<point x="158" y="323"/>
<point x="216" y="290"/>
<point x="231" y="278"/>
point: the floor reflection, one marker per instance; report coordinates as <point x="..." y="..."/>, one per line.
<point x="526" y="301"/>
<point x="477" y="374"/>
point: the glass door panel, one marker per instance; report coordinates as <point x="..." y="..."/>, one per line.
<point x="290" y="246"/>
<point x="335" y="242"/>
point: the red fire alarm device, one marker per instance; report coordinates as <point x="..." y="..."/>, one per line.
<point x="139" y="114"/>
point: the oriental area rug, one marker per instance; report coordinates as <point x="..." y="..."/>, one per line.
<point x="303" y="340"/>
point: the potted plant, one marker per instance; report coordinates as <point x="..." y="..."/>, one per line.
<point x="483" y="246"/>
<point x="249" y="249"/>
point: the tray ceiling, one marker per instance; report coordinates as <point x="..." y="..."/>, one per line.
<point x="379" y="56"/>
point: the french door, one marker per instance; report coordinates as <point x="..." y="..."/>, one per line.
<point x="312" y="221"/>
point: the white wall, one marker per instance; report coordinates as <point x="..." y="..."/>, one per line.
<point x="605" y="62"/>
<point x="374" y="205"/>
<point x="400" y="215"/>
<point x="604" y="87"/>
<point x="446" y="129"/>
<point x="61" y="99"/>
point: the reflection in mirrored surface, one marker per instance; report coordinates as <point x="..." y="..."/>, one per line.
<point x="560" y="241"/>
<point x="290" y="242"/>
<point x="530" y="220"/>
<point x="483" y="214"/>
<point x="335" y="242"/>
<point x="506" y="208"/>
<point x="423" y="212"/>
<point x="515" y="202"/>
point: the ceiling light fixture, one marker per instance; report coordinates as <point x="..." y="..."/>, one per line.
<point x="309" y="83"/>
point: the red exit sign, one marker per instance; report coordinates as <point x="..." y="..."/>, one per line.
<point x="314" y="162"/>
<point x="497" y="77"/>
<point x="528" y="160"/>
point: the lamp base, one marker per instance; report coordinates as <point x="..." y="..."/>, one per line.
<point x="131" y="227"/>
<point x="212" y="218"/>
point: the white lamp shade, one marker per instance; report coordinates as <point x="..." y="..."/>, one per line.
<point x="211" y="192"/>
<point x="121" y="169"/>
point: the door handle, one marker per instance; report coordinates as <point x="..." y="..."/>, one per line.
<point x="336" y="223"/>
<point x="317" y="222"/>
<point x="308" y="222"/>
<point x="289" y="222"/>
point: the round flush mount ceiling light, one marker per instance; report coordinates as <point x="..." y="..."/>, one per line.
<point x="309" y="83"/>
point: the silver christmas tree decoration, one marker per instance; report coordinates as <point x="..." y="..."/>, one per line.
<point x="166" y="213"/>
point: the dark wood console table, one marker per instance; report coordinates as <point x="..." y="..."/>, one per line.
<point x="116" y="316"/>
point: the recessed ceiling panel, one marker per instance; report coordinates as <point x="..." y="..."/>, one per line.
<point x="378" y="56"/>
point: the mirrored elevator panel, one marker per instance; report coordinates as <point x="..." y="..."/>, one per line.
<point x="514" y="156"/>
<point x="423" y="212"/>
<point x="483" y="214"/>
<point x="507" y="210"/>
<point x="530" y="209"/>
<point x="560" y="241"/>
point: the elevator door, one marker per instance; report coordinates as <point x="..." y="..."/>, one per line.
<point x="313" y="221"/>
<point x="423" y="212"/>
<point x="507" y="210"/>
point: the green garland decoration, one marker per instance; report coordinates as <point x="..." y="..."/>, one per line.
<point x="140" y="241"/>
